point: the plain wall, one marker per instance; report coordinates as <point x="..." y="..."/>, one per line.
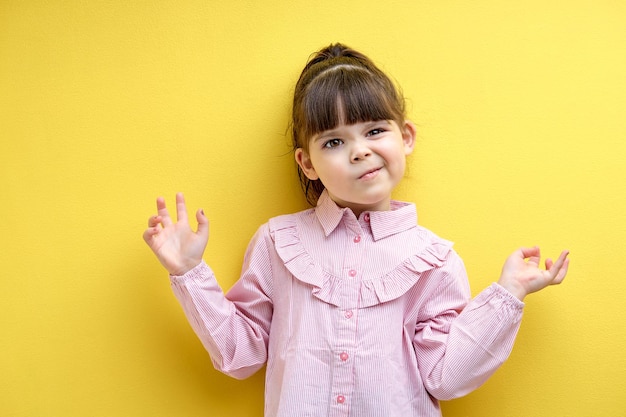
<point x="105" y="105"/>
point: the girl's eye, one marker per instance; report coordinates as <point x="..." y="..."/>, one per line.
<point x="333" y="143"/>
<point x="376" y="131"/>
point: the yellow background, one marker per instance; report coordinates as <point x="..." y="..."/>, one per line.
<point x="104" y="105"/>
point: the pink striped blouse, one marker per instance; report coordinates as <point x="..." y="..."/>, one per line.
<point x="362" y="317"/>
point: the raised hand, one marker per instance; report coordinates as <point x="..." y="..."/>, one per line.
<point x="178" y="248"/>
<point x="522" y="275"/>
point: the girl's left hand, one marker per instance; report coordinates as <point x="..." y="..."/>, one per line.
<point x="522" y="275"/>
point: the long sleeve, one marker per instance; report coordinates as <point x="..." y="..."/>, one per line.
<point x="368" y="316"/>
<point x="460" y="346"/>
<point x="233" y="328"/>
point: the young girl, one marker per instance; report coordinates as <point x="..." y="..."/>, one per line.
<point x="355" y="309"/>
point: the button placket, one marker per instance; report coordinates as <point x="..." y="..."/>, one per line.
<point x="354" y="253"/>
<point x="344" y="344"/>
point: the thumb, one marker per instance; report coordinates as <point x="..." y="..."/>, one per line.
<point x="203" y="224"/>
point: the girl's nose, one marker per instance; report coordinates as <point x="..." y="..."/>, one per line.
<point x="360" y="152"/>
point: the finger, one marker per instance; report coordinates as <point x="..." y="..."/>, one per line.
<point x="203" y="223"/>
<point x="532" y="254"/>
<point x="181" y="208"/>
<point x="149" y="233"/>
<point x="563" y="271"/>
<point x="560" y="261"/>
<point x="558" y="269"/>
<point x="153" y="221"/>
<point x="561" y="266"/>
<point x="166" y="220"/>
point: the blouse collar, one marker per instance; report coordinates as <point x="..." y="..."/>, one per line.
<point x="401" y="217"/>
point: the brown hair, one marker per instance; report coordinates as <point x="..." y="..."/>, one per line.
<point x="339" y="85"/>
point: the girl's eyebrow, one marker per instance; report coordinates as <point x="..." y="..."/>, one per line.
<point x="333" y="133"/>
<point x="337" y="132"/>
<point x="326" y="134"/>
<point x="374" y="123"/>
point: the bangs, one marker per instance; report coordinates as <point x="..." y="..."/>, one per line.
<point x="346" y="95"/>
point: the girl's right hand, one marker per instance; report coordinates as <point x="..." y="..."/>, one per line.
<point x="178" y="248"/>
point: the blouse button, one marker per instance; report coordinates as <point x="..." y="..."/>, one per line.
<point x="352" y="273"/>
<point x="343" y="356"/>
<point x="366" y="217"/>
<point x="348" y="314"/>
<point x="357" y="238"/>
<point x="341" y="399"/>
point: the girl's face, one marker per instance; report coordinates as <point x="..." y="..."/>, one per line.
<point x="359" y="164"/>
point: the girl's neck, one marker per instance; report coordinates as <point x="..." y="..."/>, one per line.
<point x="358" y="209"/>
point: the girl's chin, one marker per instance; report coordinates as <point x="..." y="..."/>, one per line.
<point x="361" y="205"/>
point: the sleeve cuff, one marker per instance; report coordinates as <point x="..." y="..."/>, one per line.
<point x="200" y="271"/>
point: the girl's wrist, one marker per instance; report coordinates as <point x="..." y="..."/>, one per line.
<point x="516" y="290"/>
<point x="183" y="269"/>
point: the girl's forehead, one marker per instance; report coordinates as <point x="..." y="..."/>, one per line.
<point x="346" y="110"/>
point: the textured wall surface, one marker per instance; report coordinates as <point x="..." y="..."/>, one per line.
<point x="104" y="105"/>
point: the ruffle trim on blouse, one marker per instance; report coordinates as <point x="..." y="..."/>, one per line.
<point x="340" y="292"/>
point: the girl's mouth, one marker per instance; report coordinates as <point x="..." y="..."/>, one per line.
<point x="370" y="174"/>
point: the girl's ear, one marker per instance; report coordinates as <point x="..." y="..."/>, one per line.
<point x="409" y="133"/>
<point x="304" y="161"/>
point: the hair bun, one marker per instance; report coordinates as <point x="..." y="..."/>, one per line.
<point x="336" y="50"/>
